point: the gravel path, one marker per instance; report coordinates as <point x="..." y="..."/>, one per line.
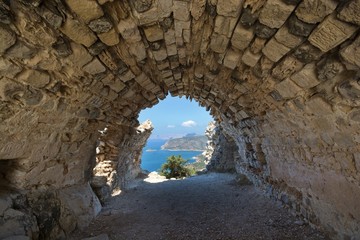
<point x="209" y="206"/>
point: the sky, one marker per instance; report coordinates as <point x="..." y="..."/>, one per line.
<point x="175" y="117"/>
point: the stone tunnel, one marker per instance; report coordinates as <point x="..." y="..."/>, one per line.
<point x="280" y="77"/>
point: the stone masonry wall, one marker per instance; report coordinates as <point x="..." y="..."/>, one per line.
<point x="221" y="153"/>
<point x="118" y="158"/>
<point x="281" y="77"/>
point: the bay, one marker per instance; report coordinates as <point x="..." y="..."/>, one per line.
<point x="153" y="157"/>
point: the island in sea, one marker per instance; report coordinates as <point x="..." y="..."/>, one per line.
<point x="190" y="142"/>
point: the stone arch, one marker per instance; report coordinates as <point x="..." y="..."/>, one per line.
<point x="280" y="77"/>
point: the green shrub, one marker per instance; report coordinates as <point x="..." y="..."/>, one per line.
<point x="174" y="167"/>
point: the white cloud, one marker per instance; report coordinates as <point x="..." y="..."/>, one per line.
<point x="170" y="126"/>
<point x="189" y="123"/>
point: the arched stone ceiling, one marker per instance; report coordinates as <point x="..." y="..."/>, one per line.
<point x="239" y="58"/>
<point x="282" y="76"/>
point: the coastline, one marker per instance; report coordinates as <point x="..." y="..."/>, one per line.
<point x="182" y="150"/>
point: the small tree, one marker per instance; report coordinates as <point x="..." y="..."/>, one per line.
<point x="174" y="167"/>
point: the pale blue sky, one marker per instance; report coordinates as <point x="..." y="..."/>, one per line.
<point x="176" y="117"/>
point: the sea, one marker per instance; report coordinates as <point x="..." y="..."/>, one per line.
<point x="153" y="157"/>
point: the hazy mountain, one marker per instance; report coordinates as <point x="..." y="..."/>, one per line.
<point x="189" y="142"/>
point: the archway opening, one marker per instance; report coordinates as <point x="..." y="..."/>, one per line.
<point x="179" y="129"/>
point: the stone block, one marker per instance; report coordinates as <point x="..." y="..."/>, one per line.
<point x="314" y="11"/>
<point x="8" y="69"/>
<point x="97" y="48"/>
<point x="87" y="10"/>
<point x="229" y="8"/>
<point x="287" y="89"/>
<point x="169" y="37"/>
<point x="298" y="27"/>
<point x="160" y="55"/>
<point x="351" y="12"/>
<point x="171" y="49"/>
<point x="127" y="76"/>
<point x="141" y="5"/>
<point x="180" y="26"/>
<point x="225" y="25"/>
<point x="100" y="25"/>
<point x="116" y="85"/>
<point x="94" y="67"/>
<point x="7" y="39"/>
<point x="250" y="58"/>
<point x="34" y="78"/>
<point x="286" y="67"/>
<point x="78" y="32"/>
<point x="328" y="69"/>
<point x="351" y="53"/>
<point x="80" y="204"/>
<point x="264" y="31"/>
<point x="257" y="45"/>
<point x="242" y="37"/>
<point x="197" y="8"/>
<point x="318" y="106"/>
<point x="219" y="43"/>
<point x="154" y="33"/>
<point x="231" y="59"/>
<point x="80" y="56"/>
<point x="186" y="35"/>
<point x="129" y="30"/>
<point x="306" y="77"/>
<point x="286" y="38"/>
<point x="62" y="47"/>
<point x="181" y="10"/>
<point x="274" y="13"/>
<point x="307" y="53"/>
<point x="275" y="50"/>
<point x="21" y="50"/>
<point x="110" y="38"/>
<point x="138" y="50"/>
<point x="330" y="33"/>
<point x="248" y="18"/>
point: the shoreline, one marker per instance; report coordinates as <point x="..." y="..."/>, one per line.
<point x="182" y="150"/>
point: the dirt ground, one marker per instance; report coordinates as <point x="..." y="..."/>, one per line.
<point x="209" y="206"/>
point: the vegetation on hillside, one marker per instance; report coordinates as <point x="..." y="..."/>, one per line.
<point x="175" y="167"/>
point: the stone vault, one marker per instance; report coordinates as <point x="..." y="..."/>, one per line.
<point x="281" y="78"/>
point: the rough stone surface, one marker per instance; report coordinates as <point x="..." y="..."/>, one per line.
<point x="7" y="39"/>
<point x="87" y="9"/>
<point x="312" y="11"/>
<point x="100" y="25"/>
<point x="274" y="13"/>
<point x="229" y="8"/>
<point x="287" y="89"/>
<point x="241" y="37"/>
<point x="350" y="13"/>
<point x="330" y="33"/>
<point x="274" y="50"/>
<point x="78" y="32"/>
<point x="306" y="77"/>
<point x="35" y="78"/>
<point x="283" y="88"/>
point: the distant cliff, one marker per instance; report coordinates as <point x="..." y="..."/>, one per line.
<point x="188" y="143"/>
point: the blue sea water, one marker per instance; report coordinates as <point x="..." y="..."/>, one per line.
<point x="153" y="157"/>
